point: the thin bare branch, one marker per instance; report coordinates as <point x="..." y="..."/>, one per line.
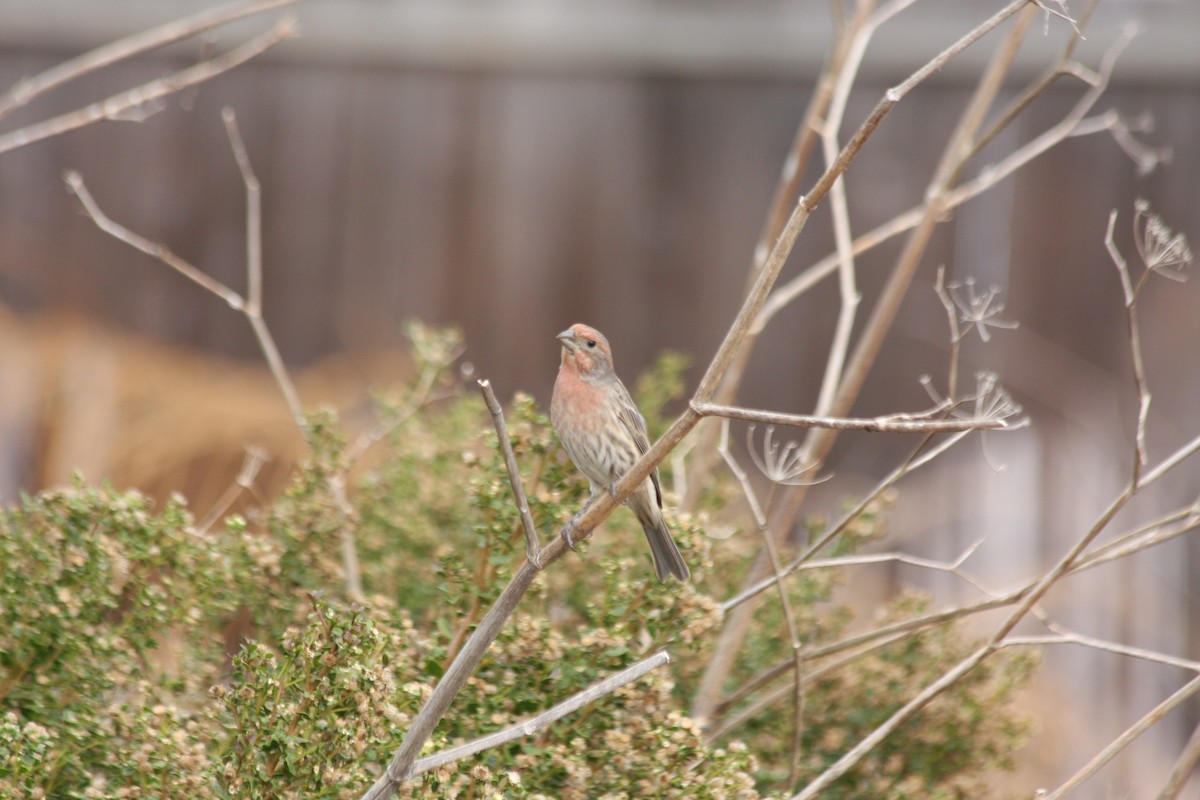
<point x="898" y="423"/>
<point x="956" y="335"/>
<point x="1145" y="537"/>
<point x="253" y="213"/>
<point x="155" y="250"/>
<point x="785" y="602"/>
<point x="1185" y="765"/>
<point x="953" y="567"/>
<point x="532" y="548"/>
<point x="544" y="720"/>
<point x="847" y="284"/>
<point x="1135" y="347"/>
<point x="1074" y="123"/>
<point x="30" y="88"/>
<point x="872" y="740"/>
<point x="1117" y="745"/>
<point x="919" y="457"/>
<point x="1116" y="648"/>
<point x="120" y="105"/>
<point x="404" y="760"/>
<point x="769" y="699"/>
<point x="251" y="465"/>
<point x="741" y="476"/>
<point x="1034" y="90"/>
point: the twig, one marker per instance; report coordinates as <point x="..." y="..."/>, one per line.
<point x="252" y="306"/>
<point x="872" y="740"/>
<point x="769" y="699"/>
<point x="1163" y="530"/>
<point x="1131" y="733"/>
<point x="918" y="458"/>
<point x="155" y="250"/>
<point x="1034" y="90"/>
<point x="1065" y="128"/>
<point x="847" y="284"/>
<point x="253" y="212"/>
<point x="953" y="567"/>
<point x="966" y="665"/>
<point x="896" y="631"/>
<point x="177" y="30"/>
<point x="760" y="519"/>
<point x="1074" y="123"/>
<point x="122" y="103"/>
<point x="1116" y="648"/>
<point x="809" y="202"/>
<point x="253" y="310"/>
<point x="251" y="464"/>
<point x="532" y="548"/>
<point x="899" y="423"/>
<point x="452" y="681"/>
<point x="1135" y="346"/>
<point x="1184" y="766"/>
<point x="543" y="720"/>
<point x="956" y="335"/>
<point x="235" y="301"/>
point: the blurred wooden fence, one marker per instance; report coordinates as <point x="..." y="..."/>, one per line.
<point x="514" y="201"/>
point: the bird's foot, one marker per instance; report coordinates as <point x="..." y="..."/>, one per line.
<point x="568" y="533"/>
<point x="569" y="528"/>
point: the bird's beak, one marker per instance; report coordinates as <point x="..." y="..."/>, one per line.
<point x="567" y="338"/>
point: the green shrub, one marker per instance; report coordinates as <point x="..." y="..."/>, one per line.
<point x="118" y="677"/>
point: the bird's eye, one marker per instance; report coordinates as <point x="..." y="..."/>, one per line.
<point x="591" y="343"/>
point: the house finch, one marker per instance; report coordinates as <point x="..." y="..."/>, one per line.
<point x="604" y="434"/>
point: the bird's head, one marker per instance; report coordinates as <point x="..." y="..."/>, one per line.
<point x="585" y="350"/>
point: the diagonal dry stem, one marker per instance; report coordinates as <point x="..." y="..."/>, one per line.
<point x="532" y="548"/>
<point x="1185" y="765"/>
<point x="546" y="718"/>
<point x="759" y="511"/>
<point x="894" y="423"/>
<point x="123" y="103"/>
<point x="1186" y="692"/>
<point x="33" y="87"/>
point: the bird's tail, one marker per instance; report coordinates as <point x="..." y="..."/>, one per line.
<point x="668" y="561"/>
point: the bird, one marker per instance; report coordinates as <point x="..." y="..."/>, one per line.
<point x="603" y="432"/>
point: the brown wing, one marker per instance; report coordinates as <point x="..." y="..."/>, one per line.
<point x="635" y="424"/>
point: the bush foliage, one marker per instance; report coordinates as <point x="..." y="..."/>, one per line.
<point x="142" y="656"/>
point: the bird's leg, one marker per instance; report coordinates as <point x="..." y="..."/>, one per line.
<point x="568" y="531"/>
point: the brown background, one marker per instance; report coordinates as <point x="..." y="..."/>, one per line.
<point x="512" y="187"/>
